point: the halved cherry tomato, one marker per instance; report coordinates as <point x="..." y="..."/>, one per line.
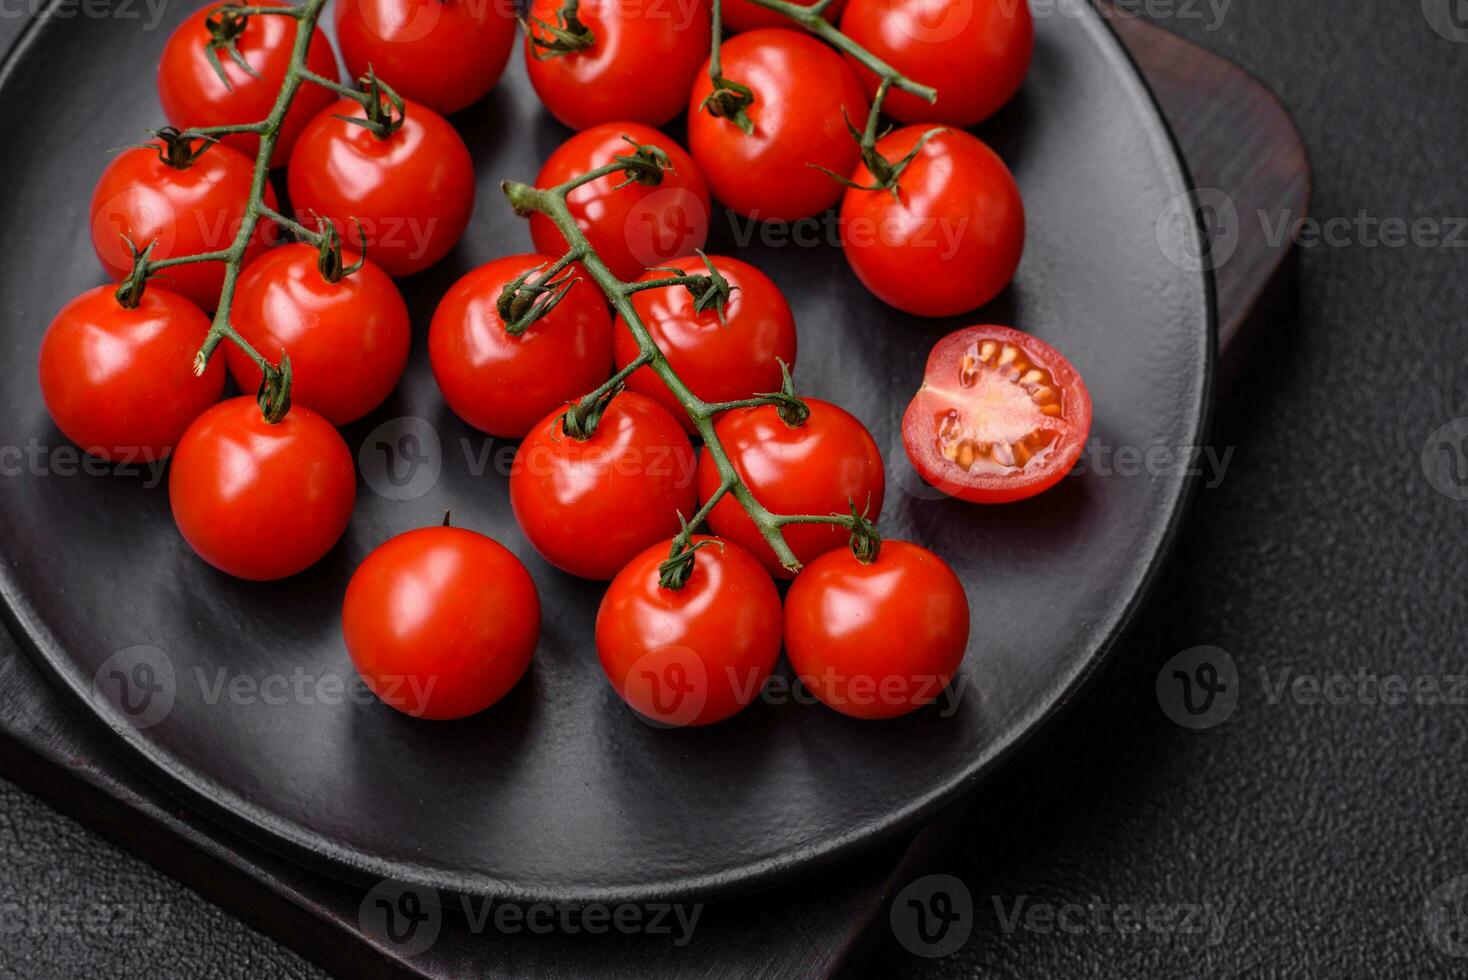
<point x="193" y="94"/>
<point x="182" y="211"/>
<point x="120" y="383"/>
<point x="504" y="384"/>
<point x="261" y="501"/>
<point x="631" y="227"/>
<point x="694" y="655"/>
<point x="876" y="640"/>
<point x="441" y="622"/>
<point x="347" y="340"/>
<point x="1001" y="416"/>
<point x="639" y="66"/>
<point x="445" y="54"/>
<point x="801" y="90"/>
<point x="823" y="466"/>
<point x="950" y="240"/>
<point x="719" y="362"/>
<point x="745" y="15"/>
<point x="589" y="506"/>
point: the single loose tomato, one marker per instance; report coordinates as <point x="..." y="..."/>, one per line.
<point x="879" y="639"/>
<point x="590" y="505"/>
<point x="1001" y="416"/>
<point x="746" y="15"/>
<point x="184" y="210"/>
<point x="441" y="622"/>
<point x="719" y="362"/>
<point x="801" y="90"/>
<point x="441" y="53"/>
<point x="504" y="384"/>
<point x="261" y="501"/>
<point x="823" y="466"/>
<point x="950" y="240"/>
<point x="696" y="654"/>
<point x="193" y="94"/>
<point x="412" y="192"/>
<point x="120" y="383"/>
<point x="974" y="53"/>
<point x="632" y="227"/>
<point x="347" y="340"/>
<point x="638" y="67"/>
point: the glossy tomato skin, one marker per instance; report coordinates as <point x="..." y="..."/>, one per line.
<point x="744" y="15"/>
<point x="261" y="501"/>
<point x="502" y="384"/>
<point x="821" y="467"/>
<point x="590" y="507"/>
<point x="719" y="362"/>
<point x="975" y="54"/>
<point x="876" y="640"/>
<point x="1000" y="416"/>
<point x="801" y="88"/>
<point x="634" y="227"/>
<point x="120" y="383"/>
<point x="951" y="240"/>
<point x="695" y="655"/>
<point x="412" y="192"/>
<point x="193" y="94"/>
<point x="444" y="55"/>
<point x="347" y="340"/>
<point x="183" y="212"/>
<point x="639" y="68"/>
<point x="441" y="622"/>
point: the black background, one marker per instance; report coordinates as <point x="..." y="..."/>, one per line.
<point x="1320" y="830"/>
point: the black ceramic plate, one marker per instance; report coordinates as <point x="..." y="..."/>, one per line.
<point x="559" y="792"/>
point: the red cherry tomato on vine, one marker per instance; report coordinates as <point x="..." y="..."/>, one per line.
<point x="639" y="66"/>
<point x="412" y="192"/>
<point x="975" y="54"/>
<point x="193" y="94"/>
<point x="441" y="622"/>
<point x="950" y="240"/>
<point x="876" y="640"/>
<point x="745" y="15"/>
<point x="347" y="340"/>
<point x="820" y="467"/>
<point x="261" y="501"/>
<point x="183" y="211"/>
<point x="693" y="655"/>
<point x="503" y="384"/>
<point x="446" y="55"/>
<point x="1001" y="416"/>
<point x="589" y="506"/>
<point x="634" y="227"/>
<point x="801" y="88"/>
<point x="120" y="383"/>
<point x="720" y="362"/>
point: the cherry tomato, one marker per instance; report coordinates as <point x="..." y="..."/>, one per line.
<point x="950" y="240"/>
<point x="503" y="384"/>
<point x="974" y="53"/>
<point x="693" y="655"/>
<point x="876" y="640"/>
<point x="347" y="340"/>
<point x="193" y="94"/>
<point x="120" y="383"/>
<point x="412" y="192"/>
<point x="719" y="362"/>
<point x="745" y="15"/>
<point x="821" y="467"/>
<point x="590" y="506"/>
<point x="1001" y="416"/>
<point x="638" y="68"/>
<point x="634" y="227"/>
<point x="261" y="501"/>
<point x="441" y="622"/>
<point x="445" y="55"/>
<point x="187" y="211"/>
<point x="801" y="88"/>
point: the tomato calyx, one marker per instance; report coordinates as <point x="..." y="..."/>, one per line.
<point x="522" y="302"/>
<point x="129" y="292"/>
<point x="225" y="27"/>
<point x="329" y="259"/>
<point x="729" y="100"/>
<point x="566" y="36"/>
<point x="674" y="573"/>
<point x="580" y="421"/>
<point x="274" y="394"/>
<point x="176" y="148"/>
<point x="383" y="107"/>
<point x="866" y="543"/>
<point x="645" y="165"/>
<point x="711" y="291"/>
